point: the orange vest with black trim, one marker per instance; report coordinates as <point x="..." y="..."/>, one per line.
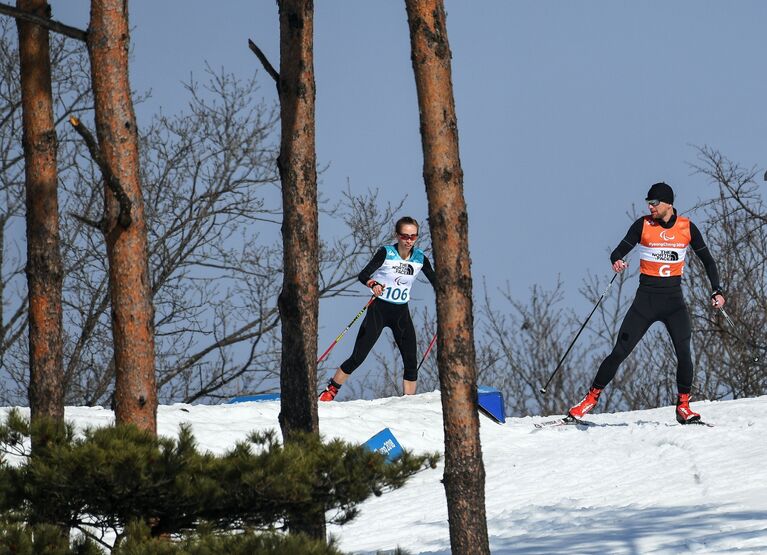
<point x="662" y="251"/>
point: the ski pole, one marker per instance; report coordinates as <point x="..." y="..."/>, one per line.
<point x="426" y="354"/>
<point x="755" y="358"/>
<point x="561" y="360"/>
<point x="364" y="308"/>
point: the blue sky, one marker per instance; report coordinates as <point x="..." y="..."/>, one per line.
<point x="567" y="111"/>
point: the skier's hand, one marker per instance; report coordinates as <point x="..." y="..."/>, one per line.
<point x="376" y="287"/>
<point x="619" y="265"/>
<point x="717" y="300"/>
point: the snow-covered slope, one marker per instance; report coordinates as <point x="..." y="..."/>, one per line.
<point x="636" y="483"/>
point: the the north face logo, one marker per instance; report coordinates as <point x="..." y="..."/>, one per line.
<point x="666" y="256"/>
<point x="406" y="269"/>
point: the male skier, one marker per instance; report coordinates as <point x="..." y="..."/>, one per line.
<point x="663" y="238"/>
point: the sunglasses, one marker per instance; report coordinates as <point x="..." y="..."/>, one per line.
<point x="653" y="202"/>
<point x="406" y="237"/>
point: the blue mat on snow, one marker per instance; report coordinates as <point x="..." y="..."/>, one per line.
<point x="262" y="397"/>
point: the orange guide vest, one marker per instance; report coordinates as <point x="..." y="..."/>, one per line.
<point x="662" y="251"/>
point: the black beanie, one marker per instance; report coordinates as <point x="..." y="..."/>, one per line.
<point x="662" y="192"/>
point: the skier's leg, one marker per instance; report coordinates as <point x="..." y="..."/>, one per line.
<point x="370" y="331"/>
<point x="680" y="329"/>
<point x="404" y="336"/>
<point x="634" y="326"/>
<point x="636" y="323"/>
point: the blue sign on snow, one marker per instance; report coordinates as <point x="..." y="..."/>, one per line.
<point x="385" y="443"/>
<point x="491" y="403"/>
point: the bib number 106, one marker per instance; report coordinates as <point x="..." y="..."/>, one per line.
<point x="394" y="294"/>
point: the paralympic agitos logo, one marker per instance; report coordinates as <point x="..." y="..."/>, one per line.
<point x="666" y="237"/>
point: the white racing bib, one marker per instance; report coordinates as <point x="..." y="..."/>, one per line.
<point x="398" y="275"/>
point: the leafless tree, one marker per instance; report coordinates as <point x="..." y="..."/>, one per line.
<point x="526" y="338"/>
<point x="212" y="205"/>
<point x="530" y="339"/>
<point x="448" y="223"/>
<point x="206" y="173"/>
<point x="735" y="225"/>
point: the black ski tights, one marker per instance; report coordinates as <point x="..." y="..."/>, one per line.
<point x="382" y="314"/>
<point x="650" y="305"/>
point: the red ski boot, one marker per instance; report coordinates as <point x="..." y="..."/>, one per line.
<point x="585" y="406"/>
<point x="330" y="393"/>
<point x="684" y="414"/>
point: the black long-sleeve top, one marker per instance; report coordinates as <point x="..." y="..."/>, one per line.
<point x="698" y="244"/>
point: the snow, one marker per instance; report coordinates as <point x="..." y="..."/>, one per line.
<point x="636" y="483"/>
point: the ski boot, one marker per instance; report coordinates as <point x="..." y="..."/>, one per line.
<point x="330" y="391"/>
<point x="585" y="406"/>
<point x="684" y="414"/>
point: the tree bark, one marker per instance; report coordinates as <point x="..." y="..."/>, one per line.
<point x="132" y="310"/>
<point x="299" y="299"/>
<point x="44" y="267"/>
<point x="448" y="222"/>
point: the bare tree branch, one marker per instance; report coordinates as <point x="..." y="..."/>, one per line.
<point x="124" y="217"/>
<point x="265" y="62"/>
<point x="99" y="225"/>
<point x="50" y="24"/>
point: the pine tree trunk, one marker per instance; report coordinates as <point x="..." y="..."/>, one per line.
<point x="448" y="222"/>
<point x="297" y="164"/>
<point x="299" y="298"/>
<point x="44" y="267"/>
<point x="132" y="310"/>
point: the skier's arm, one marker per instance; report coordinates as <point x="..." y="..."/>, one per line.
<point x="700" y="248"/>
<point x="428" y="271"/>
<point x="632" y="237"/>
<point x="378" y="259"/>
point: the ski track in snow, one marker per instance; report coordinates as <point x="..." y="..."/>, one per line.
<point x="636" y="483"/>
